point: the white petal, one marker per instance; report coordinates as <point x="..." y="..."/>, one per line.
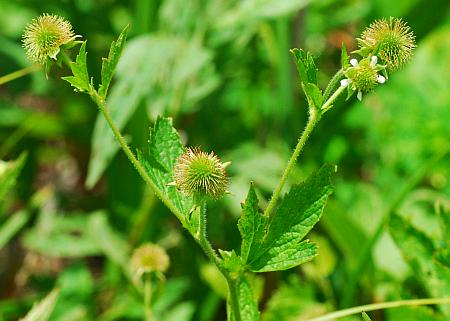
<point x="354" y="62"/>
<point x="381" y="79"/>
<point x="374" y="60"/>
<point x="359" y="95"/>
<point x="345" y="82"/>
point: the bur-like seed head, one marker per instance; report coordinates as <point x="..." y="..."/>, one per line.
<point x="150" y="258"/>
<point x="200" y="174"/>
<point x="392" y="40"/>
<point x="44" y="36"/>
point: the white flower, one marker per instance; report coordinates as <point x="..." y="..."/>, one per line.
<point x="359" y="95"/>
<point x="374" y="60"/>
<point x="345" y="82"/>
<point x="381" y="79"/>
<point x="354" y="62"/>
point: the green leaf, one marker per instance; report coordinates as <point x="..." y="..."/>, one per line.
<point x="109" y="64"/>
<point x="305" y="66"/>
<point x="164" y="148"/>
<point x="42" y="310"/>
<point x="298" y="212"/>
<point x="418" y="250"/>
<point x="9" y="171"/>
<point x="80" y="78"/>
<point x="365" y="317"/>
<point x="313" y="95"/>
<point x="12" y="226"/>
<point x="246" y="301"/>
<point x="252" y="225"/>
<point x="345" y="60"/>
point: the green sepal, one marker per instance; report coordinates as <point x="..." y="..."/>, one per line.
<point x="80" y="78"/>
<point x="109" y="64"/>
<point x="345" y="59"/>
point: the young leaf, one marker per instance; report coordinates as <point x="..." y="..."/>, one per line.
<point x="9" y="171"/>
<point x="164" y="148"/>
<point x="345" y="60"/>
<point x="365" y="317"/>
<point x="109" y="64"/>
<point x="252" y="225"/>
<point x="80" y="78"/>
<point x="305" y="65"/>
<point x="42" y="310"/>
<point x="282" y="247"/>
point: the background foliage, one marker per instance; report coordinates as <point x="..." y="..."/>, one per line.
<point x="72" y="208"/>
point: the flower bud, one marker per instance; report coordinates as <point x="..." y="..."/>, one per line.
<point x="44" y="36"/>
<point x="200" y="174"/>
<point x="149" y="258"/>
<point x="392" y="41"/>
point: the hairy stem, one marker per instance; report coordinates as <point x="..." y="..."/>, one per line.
<point x="123" y="144"/>
<point x="19" y="73"/>
<point x="366" y="252"/>
<point x="202" y="239"/>
<point x="380" y="306"/>
<point x="332" y="84"/>
<point x="313" y="119"/>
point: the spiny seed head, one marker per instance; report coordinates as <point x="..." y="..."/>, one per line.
<point x="150" y="258"/>
<point x="200" y="174"/>
<point x="392" y="41"/>
<point x="44" y="36"/>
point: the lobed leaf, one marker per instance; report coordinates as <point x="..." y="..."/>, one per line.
<point x="109" y="64"/>
<point x="282" y="247"/>
<point x="306" y="67"/>
<point x="164" y="148"/>
<point x="80" y="78"/>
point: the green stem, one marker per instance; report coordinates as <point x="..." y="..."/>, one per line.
<point x="148" y="298"/>
<point x="364" y="258"/>
<point x="202" y="239"/>
<point x="380" y="306"/>
<point x="19" y="73"/>
<point x="332" y="84"/>
<point x="329" y="103"/>
<point x="141" y="170"/>
<point x="233" y="298"/>
<point x="313" y="119"/>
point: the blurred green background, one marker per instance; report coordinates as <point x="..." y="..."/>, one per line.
<point x="222" y="70"/>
